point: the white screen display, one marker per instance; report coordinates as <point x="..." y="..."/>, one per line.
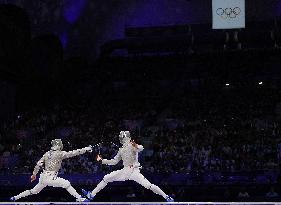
<point x="228" y="14"/>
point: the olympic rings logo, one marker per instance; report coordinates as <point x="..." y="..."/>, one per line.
<point x="228" y="13"/>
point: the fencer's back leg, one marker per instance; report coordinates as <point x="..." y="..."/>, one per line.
<point x="35" y="190"/>
<point x="140" y="179"/>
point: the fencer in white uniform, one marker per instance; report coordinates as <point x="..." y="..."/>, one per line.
<point x="128" y="153"/>
<point x="51" y="164"/>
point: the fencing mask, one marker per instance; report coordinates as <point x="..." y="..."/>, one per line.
<point x="124" y="137"/>
<point x="56" y="144"/>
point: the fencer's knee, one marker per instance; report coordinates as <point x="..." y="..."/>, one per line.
<point x="107" y="179"/>
<point x="66" y="184"/>
<point x="34" y="191"/>
<point x="153" y="186"/>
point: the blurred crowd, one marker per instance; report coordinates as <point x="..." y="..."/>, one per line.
<point x="227" y="130"/>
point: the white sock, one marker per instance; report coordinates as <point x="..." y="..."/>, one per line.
<point x="158" y="191"/>
<point x="23" y="194"/>
<point x="99" y="187"/>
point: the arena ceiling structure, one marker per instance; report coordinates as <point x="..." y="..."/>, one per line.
<point x="84" y="25"/>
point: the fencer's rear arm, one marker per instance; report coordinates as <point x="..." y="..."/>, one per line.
<point x="113" y="161"/>
<point x="75" y="152"/>
<point x="139" y="148"/>
<point x="38" y="165"/>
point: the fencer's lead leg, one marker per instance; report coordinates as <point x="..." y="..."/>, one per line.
<point x="73" y="192"/>
<point x="99" y="187"/>
<point x="60" y="182"/>
<point x="91" y="195"/>
<point x="113" y="176"/>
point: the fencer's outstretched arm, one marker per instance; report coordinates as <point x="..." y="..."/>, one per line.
<point x="139" y="148"/>
<point x="113" y="161"/>
<point x="76" y="152"/>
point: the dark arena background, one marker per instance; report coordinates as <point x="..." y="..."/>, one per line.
<point x="205" y="103"/>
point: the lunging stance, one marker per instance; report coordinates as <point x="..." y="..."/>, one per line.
<point x="51" y="164"/>
<point x="128" y="153"/>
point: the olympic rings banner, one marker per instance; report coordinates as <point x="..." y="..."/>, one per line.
<point x="228" y="14"/>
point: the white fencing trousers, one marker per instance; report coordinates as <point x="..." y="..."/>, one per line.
<point x="48" y="178"/>
<point x="128" y="173"/>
